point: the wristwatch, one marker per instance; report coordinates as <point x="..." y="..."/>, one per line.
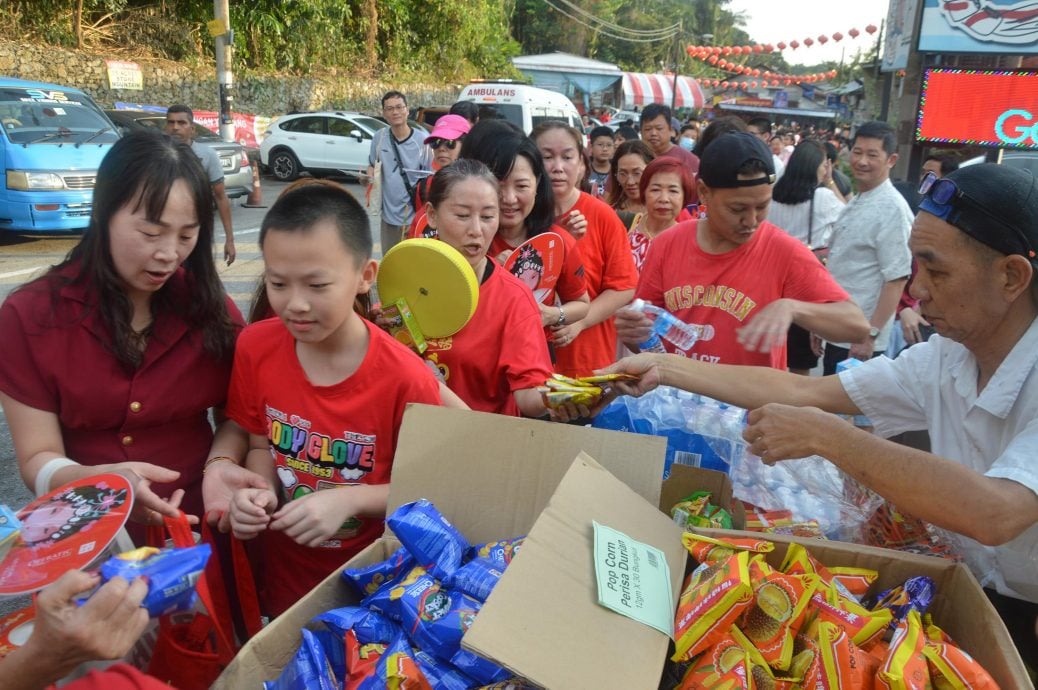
<point x="873" y="332"/>
<point x="562" y="317"/>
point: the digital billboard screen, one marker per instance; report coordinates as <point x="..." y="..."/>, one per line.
<point x="979" y="108"/>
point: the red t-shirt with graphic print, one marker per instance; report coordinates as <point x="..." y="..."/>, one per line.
<point x="499" y="351"/>
<point x="727" y="290"/>
<point x="322" y="437"/>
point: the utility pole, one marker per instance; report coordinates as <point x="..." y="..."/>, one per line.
<point x="677" y="68"/>
<point x="224" y="40"/>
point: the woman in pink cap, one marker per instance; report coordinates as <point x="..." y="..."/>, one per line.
<point x="445" y="142"/>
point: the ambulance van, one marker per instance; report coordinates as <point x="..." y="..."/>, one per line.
<point x="52" y="140"/>
<point x="522" y="105"/>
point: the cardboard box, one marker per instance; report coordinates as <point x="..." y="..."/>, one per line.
<point x="496" y="477"/>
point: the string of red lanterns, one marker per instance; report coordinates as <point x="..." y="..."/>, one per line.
<point x="715" y="56"/>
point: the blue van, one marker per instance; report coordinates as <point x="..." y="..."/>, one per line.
<point x="52" y="142"/>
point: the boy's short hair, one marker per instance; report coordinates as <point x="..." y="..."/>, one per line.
<point x="305" y="203"/>
<point x="600" y="131"/>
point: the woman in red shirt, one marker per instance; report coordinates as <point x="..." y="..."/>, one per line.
<point x="116" y="356"/>
<point x="527" y="209"/>
<point x="590" y="343"/>
<point x="497" y="361"/>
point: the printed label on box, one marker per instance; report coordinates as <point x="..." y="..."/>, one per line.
<point x="633" y="579"/>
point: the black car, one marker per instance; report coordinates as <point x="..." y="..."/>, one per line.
<point x="237" y="175"/>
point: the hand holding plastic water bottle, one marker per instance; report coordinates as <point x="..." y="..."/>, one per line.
<point x="666" y="326"/>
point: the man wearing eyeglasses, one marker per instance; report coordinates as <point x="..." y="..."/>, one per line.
<point x="403" y="156"/>
<point x="868" y="250"/>
<point x="974" y="387"/>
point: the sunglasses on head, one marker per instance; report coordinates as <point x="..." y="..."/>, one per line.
<point x="944" y="199"/>
<point x="437" y="143"/>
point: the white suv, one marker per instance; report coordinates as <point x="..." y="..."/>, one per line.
<point x="322" y="142"/>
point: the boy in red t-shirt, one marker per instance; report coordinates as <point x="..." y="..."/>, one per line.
<point x="321" y="392"/>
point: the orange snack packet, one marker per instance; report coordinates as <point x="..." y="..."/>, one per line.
<point x="759" y="672"/>
<point x="712" y="601"/>
<point x="861" y="624"/>
<point x="906" y="667"/>
<point x="778" y="610"/>
<point x="850" y="582"/>
<point x="842" y="665"/>
<point x="951" y="668"/>
<point x="710" y="550"/>
<point x="723" y="664"/>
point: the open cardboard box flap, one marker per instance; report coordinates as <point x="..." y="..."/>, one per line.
<point x="543" y="620"/>
<point x="492" y="475"/>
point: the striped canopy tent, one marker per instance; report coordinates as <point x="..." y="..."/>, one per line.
<point x="641" y="89"/>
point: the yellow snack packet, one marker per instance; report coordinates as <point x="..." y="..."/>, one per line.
<point x="708" y="550"/>
<point x="906" y="667"/>
<point x="843" y="665"/>
<point x="861" y="624"/>
<point x="710" y="605"/>
<point x="951" y="668"/>
<point x="722" y="665"/>
<point x="778" y="610"/>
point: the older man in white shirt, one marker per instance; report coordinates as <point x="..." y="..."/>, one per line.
<point x="974" y="387"/>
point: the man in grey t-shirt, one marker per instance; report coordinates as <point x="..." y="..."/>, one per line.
<point x="868" y="251"/>
<point x="180" y="123"/>
<point x="409" y="159"/>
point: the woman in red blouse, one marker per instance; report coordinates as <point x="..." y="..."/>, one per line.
<point x="112" y="360"/>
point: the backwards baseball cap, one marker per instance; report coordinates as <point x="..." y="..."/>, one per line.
<point x="994" y="204"/>
<point x="450" y="128"/>
<point x="726" y="155"/>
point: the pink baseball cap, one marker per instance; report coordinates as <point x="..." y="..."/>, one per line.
<point x="450" y="127"/>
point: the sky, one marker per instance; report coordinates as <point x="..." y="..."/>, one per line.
<point x="771" y="21"/>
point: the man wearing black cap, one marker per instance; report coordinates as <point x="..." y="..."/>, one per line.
<point x="974" y="387"/>
<point x="737" y="272"/>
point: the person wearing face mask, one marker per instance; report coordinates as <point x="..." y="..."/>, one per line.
<point x="689" y="134"/>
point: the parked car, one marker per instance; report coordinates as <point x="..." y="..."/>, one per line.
<point x="52" y="140"/>
<point x="237" y="173"/>
<point x="319" y="143"/>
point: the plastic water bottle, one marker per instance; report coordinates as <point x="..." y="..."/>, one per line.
<point x="667" y="326"/>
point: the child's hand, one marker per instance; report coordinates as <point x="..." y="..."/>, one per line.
<point x="250" y="511"/>
<point x="316" y="517"/>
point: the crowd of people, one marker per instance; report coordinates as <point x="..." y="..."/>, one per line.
<point x="722" y="224"/>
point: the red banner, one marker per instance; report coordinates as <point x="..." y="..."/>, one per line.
<point x="248" y="129"/>
<point x="984" y="108"/>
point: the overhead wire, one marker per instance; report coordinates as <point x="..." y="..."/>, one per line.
<point x="617" y="27"/>
<point x="638" y="37"/>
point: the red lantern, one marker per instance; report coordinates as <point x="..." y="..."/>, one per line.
<point x="755" y="72"/>
<point x="837" y="37"/>
<point x="787" y="81"/>
<point x="764" y="84"/>
<point x="794" y="45"/>
<point x="758" y="48"/>
<point x="716" y="50"/>
<point x="823" y="39"/>
<point x="871" y="28"/>
<point x="832" y="74"/>
<point x="781" y="45"/>
<point x="737" y="50"/>
<point x="809" y="41"/>
<point x="727" y="50"/>
<point x="724" y="85"/>
<point x="743" y="85"/>
<point x="854" y="33"/>
<point x="712" y="60"/>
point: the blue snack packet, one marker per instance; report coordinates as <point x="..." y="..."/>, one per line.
<point x="171" y="575"/>
<point x="334" y="650"/>
<point x="369" y="579"/>
<point x="483" y="671"/>
<point x="387" y="599"/>
<point x="433" y="541"/>
<point x="441" y="676"/>
<point x="916" y="593"/>
<point x="477" y="578"/>
<point x="308" y="669"/>
<point x="436" y="618"/>
<point x="501" y="552"/>
<point x="369" y="626"/>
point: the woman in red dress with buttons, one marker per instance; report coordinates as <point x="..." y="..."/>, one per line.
<point x="112" y="360"/>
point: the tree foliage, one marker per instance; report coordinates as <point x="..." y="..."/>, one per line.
<point x="446" y="39"/>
